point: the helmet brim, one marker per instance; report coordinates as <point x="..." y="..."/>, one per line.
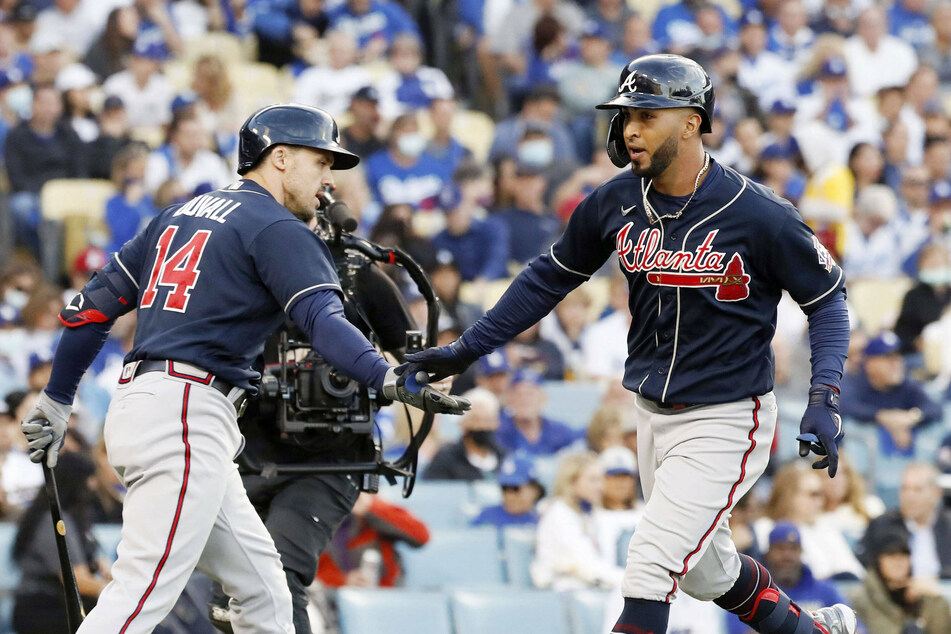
<point x="636" y="100"/>
<point x="343" y="160"/>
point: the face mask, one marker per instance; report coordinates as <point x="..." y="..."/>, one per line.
<point x="16" y="298"/>
<point x="19" y="99"/>
<point x="931" y="277"/>
<point x="411" y="144"/>
<point x="482" y="438"/>
<point x="538" y="152"/>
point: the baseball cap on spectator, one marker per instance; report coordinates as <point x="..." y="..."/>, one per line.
<point x="74" y="77"/>
<point x="784" y="533"/>
<point x="449" y="198"/>
<point x="23" y="12"/>
<point x="783" y="106"/>
<point x="885" y="343"/>
<point x="516" y="470"/>
<point x="46" y="41"/>
<point x="493" y="363"/>
<point x="542" y="91"/>
<point x="888" y="540"/>
<point x="618" y="461"/>
<point x="37" y="359"/>
<point x="754" y="17"/>
<point x="595" y="29"/>
<point x="10" y="76"/>
<point x="150" y="48"/>
<point x="113" y="102"/>
<point x="527" y="375"/>
<point x="775" y="151"/>
<point x="940" y="192"/>
<point x="367" y="93"/>
<point x="183" y="100"/>
<point x="89" y="260"/>
<point x="834" y="67"/>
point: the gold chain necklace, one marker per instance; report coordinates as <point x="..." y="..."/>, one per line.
<point x="652" y="214"/>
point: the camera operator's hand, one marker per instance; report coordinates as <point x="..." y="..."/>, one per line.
<point x="426" y="398"/>
<point x="441" y="362"/>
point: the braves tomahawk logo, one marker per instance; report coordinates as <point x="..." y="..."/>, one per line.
<point x="700" y="268"/>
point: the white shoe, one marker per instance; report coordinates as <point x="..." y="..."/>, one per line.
<point x="839" y="619"/>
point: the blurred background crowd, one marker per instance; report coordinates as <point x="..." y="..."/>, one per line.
<point x="476" y="126"/>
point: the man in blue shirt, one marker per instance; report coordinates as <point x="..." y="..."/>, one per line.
<point x="480" y="247"/>
<point x="522" y="426"/>
<point x="520" y="491"/>
<point x="530" y="226"/>
<point x="784" y="562"/>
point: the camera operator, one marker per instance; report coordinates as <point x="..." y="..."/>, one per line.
<point x="303" y="511"/>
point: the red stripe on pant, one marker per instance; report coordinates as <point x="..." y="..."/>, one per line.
<point x="729" y="501"/>
<point x="178" y="512"/>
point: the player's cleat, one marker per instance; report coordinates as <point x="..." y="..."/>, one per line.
<point x="220" y="617"/>
<point x="838" y="619"/>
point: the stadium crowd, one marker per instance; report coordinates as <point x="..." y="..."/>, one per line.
<point x="476" y="126"/>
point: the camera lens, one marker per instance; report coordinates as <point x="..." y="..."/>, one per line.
<point x="337" y="384"/>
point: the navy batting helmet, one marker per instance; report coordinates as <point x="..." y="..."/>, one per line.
<point x="658" y="81"/>
<point x="290" y="124"/>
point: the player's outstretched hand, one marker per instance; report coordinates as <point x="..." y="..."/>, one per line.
<point x="45" y="429"/>
<point x="400" y="385"/>
<point x="441" y="362"/>
<point x="821" y="428"/>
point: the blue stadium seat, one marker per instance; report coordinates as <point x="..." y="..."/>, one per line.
<point x="586" y="608"/>
<point x="546" y="467"/>
<point x="572" y="402"/>
<point x="508" y="610"/>
<point x="438" y="504"/>
<point x="108" y="537"/>
<point x="393" y="611"/>
<point x="453" y="556"/>
<point x="518" y="548"/>
<point x="623" y="541"/>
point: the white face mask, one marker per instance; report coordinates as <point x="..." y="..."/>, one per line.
<point x="411" y="144"/>
<point x="16" y="298"/>
<point x="537" y="152"/>
<point x="19" y="99"/>
<point x="935" y="277"/>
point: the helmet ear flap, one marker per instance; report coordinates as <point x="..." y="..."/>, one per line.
<point x="617" y="150"/>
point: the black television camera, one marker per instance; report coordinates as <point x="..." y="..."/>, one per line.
<point x="314" y="408"/>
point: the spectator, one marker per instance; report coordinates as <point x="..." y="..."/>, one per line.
<point x="73" y="21"/>
<point x="885" y="395"/>
<point x="776" y="169"/>
<point x="892" y="599"/>
<point x="922" y="517"/>
<point x="131" y="208"/>
<point x="606" y="428"/>
<point x="446" y="279"/>
<point x="443" y="144"/>
<point x="613" y="16"/>
<point x="215" y="103"/>
<point x="741" y="526"/>
<point x="761" y="71"/>
<point x="566" y="327"/>
<point x="568" y="552"/>
<point x="288" y="30"/>
<point x="847" y="505"/>
<point x="37" y="151"/>
<point x="938" y="53"/>
<point x="49" y="54"/>
<point x="797" y="497"/>
<point x="873" y="236"/>
<point x="548" y="54"/>
<point x="893" y="59"/>
<point x="75" y="82"/>
<point x="603" y="358"/>
<point x="522" y="427"/>
<point x="836" y="17"/>
<point x="636" y="40"/>
<point x="540" y="110"/>
<point x="89" y="260"/>
<point x="520" y="493"/>
<point x="914" y="211"/>
<point x="22" y="20"/>
<point x="675" y="26"/>
<point x="480" y="247"/>
<point x="475" y="456"/>
<point x="404" y="172"/>
<point x="330" y="86"/>
<point x="619" y="499"/>
<point x="784" y="561"/>
<point x="362" y="133"/>
<point x="530" y="350"/>
<point x="106" y="55"/>
<point x="780" y="120"/>
<point x="113" y="134"/>
<point x="494" y="373"/>
<point x="38" y="604"/>
<point x="531" y="227"/>
<point x="411" y="85"/>
<point x="185" y="157"/>
<point x="143" y="88"/>
<point x="372" y="525"/>
<point x="866" y="164"/>
<point x="908" y="21"/>
<point x="927" y="300"/>
<point x="790" y="36"/>
<point x="18" y="280"/>
<point x="20" y="479"/>
<point x="374" y="23"/>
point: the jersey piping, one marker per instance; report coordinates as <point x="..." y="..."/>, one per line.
<point x="834" y="286"/>
<point x="309" y="288"/>
<point x="134" y="281"/>
<point x="551" y="250"/>
<point x="673" y="357"/>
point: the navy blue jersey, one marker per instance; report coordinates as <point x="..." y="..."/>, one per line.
<point x="216" y="275"/>
<point x="703" y="287"/>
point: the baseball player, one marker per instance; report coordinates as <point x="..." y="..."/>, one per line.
<point x="706" y="254"/>
<point x="209" y="279"/>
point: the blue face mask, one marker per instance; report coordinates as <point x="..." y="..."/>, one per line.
<point x="537" y="152"/>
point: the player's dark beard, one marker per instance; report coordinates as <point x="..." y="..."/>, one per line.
<point x="660" y="159"/>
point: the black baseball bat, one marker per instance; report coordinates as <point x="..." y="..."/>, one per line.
<point x="74" y="605"/>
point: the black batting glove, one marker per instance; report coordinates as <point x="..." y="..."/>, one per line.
<point x="440" y="362"/>
<point x="821" y="428"/>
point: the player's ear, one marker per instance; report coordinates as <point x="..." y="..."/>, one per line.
<point x="279" y="157"/>
<point x="691" y="124"/>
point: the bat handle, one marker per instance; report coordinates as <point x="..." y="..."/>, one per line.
<point x="74" y="605"/>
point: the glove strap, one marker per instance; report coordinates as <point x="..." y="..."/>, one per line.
<point x="824" y="395"/>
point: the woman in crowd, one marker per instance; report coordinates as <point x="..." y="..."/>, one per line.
<point x="847" y="505"/>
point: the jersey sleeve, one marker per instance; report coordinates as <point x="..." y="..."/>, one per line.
<point x="801" y="265"/>
<point x="293" y="261"/>
<point x="581" y="249"/>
